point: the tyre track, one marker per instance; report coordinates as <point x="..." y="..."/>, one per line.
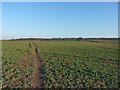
<point x="38" y="75"/>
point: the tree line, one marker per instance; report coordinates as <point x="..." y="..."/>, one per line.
<point x="76" y="39"/>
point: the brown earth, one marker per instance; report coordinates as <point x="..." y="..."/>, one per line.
<point x="38" y="73"/>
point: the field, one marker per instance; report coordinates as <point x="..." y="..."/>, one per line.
<point x="67" y="64"/>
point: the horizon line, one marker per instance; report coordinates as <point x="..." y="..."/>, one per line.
<point x="52" y="37"/>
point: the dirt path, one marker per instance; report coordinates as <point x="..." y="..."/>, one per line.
<point x="38" y="73"/>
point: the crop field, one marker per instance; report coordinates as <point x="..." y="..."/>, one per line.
<point x="54" y="64"/>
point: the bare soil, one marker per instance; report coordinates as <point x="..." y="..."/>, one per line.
<point x="38" y="73"/>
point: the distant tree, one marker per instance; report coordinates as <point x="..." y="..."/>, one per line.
<point x="80" y="39"/>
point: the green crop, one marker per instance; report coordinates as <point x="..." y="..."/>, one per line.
<point x="15" y="64"/>
<point x="67" y="64"/>
<point x="79" y="64"/>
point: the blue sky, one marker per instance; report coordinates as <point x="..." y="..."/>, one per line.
<point x="0" y="20"/>
<point x="59" y="19"/>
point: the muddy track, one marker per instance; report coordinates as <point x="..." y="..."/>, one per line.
<point x="38" y="75"/>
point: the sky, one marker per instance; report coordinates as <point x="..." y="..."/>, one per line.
<point x="59" y="19"/>
<point x="60" y="0"/>
<point x="0" y="21"/>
